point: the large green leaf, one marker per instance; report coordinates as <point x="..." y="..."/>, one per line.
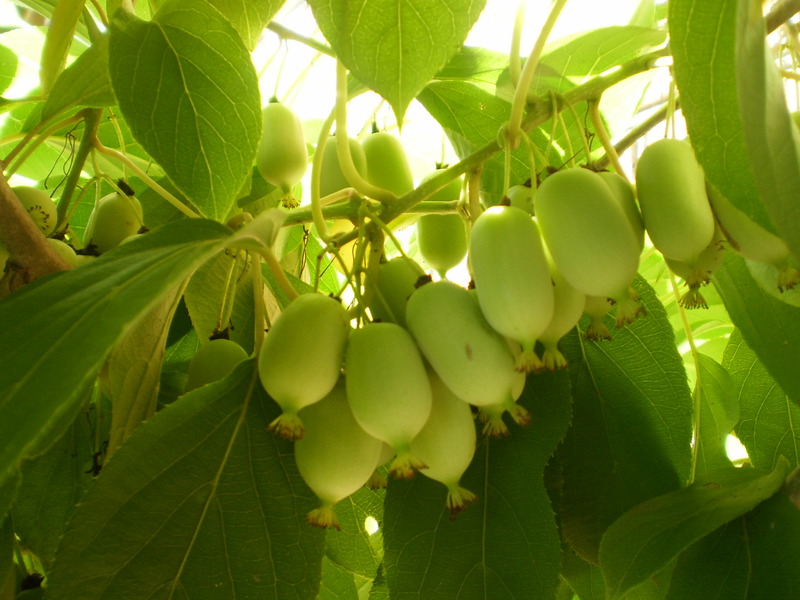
<point x="58" y="40"/>
<point x="8" y="67"/>
<point x="769" y="425"/>
<point x="396" y="48"/>
<point x="643" y="540"/>
<point x="719" y="413"/>
<point x="189" y="91"/>
<point x="505" y="546"/>
<point x="89" y="309"/>
<point x="703" y="45"/>
<point x="200" y="503"/>
<point x="770" y="327"/>
<point x="632" y="424"/>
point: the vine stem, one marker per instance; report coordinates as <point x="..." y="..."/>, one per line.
<point x="117" y="155"/>
<point x="605" y="139"/>
<point x="259" y="306"/>
<point x="521" y="93"/>
<point x="514" y="63"/>
<point x="634" y="134"/>
<point x="277" y="271"/>
<point x="316" y="170"/>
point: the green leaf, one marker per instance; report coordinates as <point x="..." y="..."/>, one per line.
<point x="719" y="414"/>
<point x="396" y="48"/>
<point x="94" y="306"/>
<point x="632" y="424"/>
<point x="58" y="41"/>
<point x="754" y="556"/>
<point x="475" y="65"/>
<point x="8" y="571"/>
<point x="646" y="538"/>
<point x="8" y="67"/>
<point x="353" y="549"/>
<point x="200" y="502"/>
<point x="770" y="327"/>
<point x="84" y="83"/>
<point x="772" y="139"/>
<point x="248" y="18"/>
<point x="703" y="43"/>
<point x="189" y="91"/>
<point x="504" y="546"/>
<point x="768" y="425"/>
<point x="337" y="583"/>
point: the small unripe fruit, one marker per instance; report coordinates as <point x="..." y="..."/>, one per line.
<point x="39" y="206"/>
<point x="64" y="251"/>
<point x="387" y="163"/>
<point x="114" y="218"/>
<point x="569" y="304"/>
<point x="442" y="238"/>
<point x="213" y="361"/>
<point x="301" y="357"/>
<point x="331" y="178"/>
<point x="625" y="194"/>
<point x="397" y="280"/>
<point x="521" y="196"/>
<point x="282" y="156"/>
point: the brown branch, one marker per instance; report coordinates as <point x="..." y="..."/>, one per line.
<point x="780" y="13"/>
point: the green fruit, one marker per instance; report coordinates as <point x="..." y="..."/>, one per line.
<point x="387" y="163"/>
<point x="336" y="456"/>
<point x="442" y="238"/>
<point x="672" y="194"/>
<point x="512" y="278"/>
<point x="699" y="274"/>
<point x="114" y="218"/>
<point x="568" y="305"/>
<point x="472" y="359"/>
<point x="388" y="389"/>
<point x="301" y="357"/>
<point x="589" y="237"/>
<point x="625" y="194"/>
<point x="331" y="178"/>
<point x="521" y="196"/>
<point x="447" y="443"/>
<point x="213" y="361"/>
<point x="397" y="280"/>
<point x="64" y="251"/>
<point x="282" y="155"/>
<point x="40" y="207"/>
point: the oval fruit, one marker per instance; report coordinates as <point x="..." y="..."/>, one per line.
<point x="671" y="187"/>
<point x="331" y="178"/>
<point x="512" y="278"/>
<point x="213" y="361"/>
<point x="65" y="251"/>
<point x="388" y="389"/>
<point x="387" y="163"/>
<point x="699" y="274"/>
<point x="301" y="357"/>
<point x="472" y="359"/>
<point x="39" y="206"/>
<point x="114" y="218"/>
<point x="521" y="196"/>
<point x="447" y="443"/>
<point x="625" y="194"/>
<point x="590" y="238"/>
<point x="336" y="456"/>
<point x="442" y="238"/>
<point x="282" y="155"/>
<point x="397" y="280"/>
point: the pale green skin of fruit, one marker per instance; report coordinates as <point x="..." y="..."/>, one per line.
<point x="442" y="238"/>
<point x="446" y="444"/>
<point x="589" y="237"/>
<point x="521" y="196"/>
<point x="511" y="275"/>
<point x="301" y="357"/>
<point x="114" y="218"/>
<point x="708" y="263"/>
<point x="387" y="385"/>
<point x="336" y="456"/>
<point x="397" y="280"/>
<point x="671" y="187"/>
<point x="472" y="359"/>
<point x="39" y="206"/>
<point x="331" y="178"/>
<point x="387" y="163"/>
<point x="569" y="304"/>
<point x="64" y="251"/>
<point x="282" y="156"/>
<point x="746" y="236"/>
<point x="625" y="194"/>
<point x="213" y="361"/>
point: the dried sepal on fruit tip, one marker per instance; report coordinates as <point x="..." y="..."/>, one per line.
<point x="553" y="359"/>
<point x="324" y="517"/>
<point x="596" y="308"/>
<point x="288" y="426"/>
<point x="628" y="308"/>
<point x="528" y="362"/>
<point x="458" y="499"/>
<point x="377" y="481"/>
<point x="693" y="299"/>
<point x="788" y="278"/>
<point x="492" y="418"/>
<point x="405" y="466"/>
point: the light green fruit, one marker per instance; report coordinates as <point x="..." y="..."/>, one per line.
<point x="64" y="251"/>
<point x="213" y="361"/>
<point x="672" y="195"/>
<point x="569" y="305"/>
<point x="331" y="178"/>
<point x="442" y="238"/>
<point x="447" y="443"/>
<point x="590" y="238"/>
<point x="336" y="456"/>
<point x="596" y="308"/>
<point x="387" y="163"/>
<point x="114" y="218"/>
<point x="301" y="357"/>
<point x="282" y="155"/>
<point x="39" y="206"/>
<point x="83" y="259"/>
<point x="752" y="241"/>
<point x="397" y="280"/>
<point x="700" y="273"/>
<point x="388" y="390"/>
<point x="512" y="278"/>
<point x="521" y="196"/>
<point x="625" y="194"/>
<point x="472" y="359"/>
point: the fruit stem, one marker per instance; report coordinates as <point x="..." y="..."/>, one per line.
<point x="587" y="148"/>
<point x="259" y="306"/>
<point x="514" y="62"/>
<point x="474" y="194"/>
<point x="277" y="271"/>
<point x="602" y="133"/>
<point x="316" y="170"/>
